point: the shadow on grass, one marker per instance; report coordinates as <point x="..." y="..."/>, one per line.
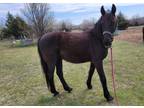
<point x="84" y="97"/>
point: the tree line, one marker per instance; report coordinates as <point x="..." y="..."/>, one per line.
<point x="39" y="19"/>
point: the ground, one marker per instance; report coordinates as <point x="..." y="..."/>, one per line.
<point x="22" y="81"/>
<point x="132" y="34"/>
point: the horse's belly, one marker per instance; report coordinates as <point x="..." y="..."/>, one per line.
<point x="75" y="58"/>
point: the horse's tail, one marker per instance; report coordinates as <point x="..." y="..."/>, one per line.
<point x="43" y="64"/>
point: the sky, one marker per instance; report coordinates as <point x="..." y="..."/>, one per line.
<point x="75" y="12"/>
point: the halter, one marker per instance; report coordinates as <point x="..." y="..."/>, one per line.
<point x="107" y="32"/>
<point x="112" y="34"/>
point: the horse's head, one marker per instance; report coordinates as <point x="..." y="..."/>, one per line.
<point x="108" y="25"/>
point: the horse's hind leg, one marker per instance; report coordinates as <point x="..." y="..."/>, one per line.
<point x="60" y="74"/>
<point x="48" y="66"/>
<point x="90" y="74"/>
<point x="50" y="59"/>
<point x="50" y="76"/>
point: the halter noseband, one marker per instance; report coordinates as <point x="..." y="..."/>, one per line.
<point x="107" y="32"/>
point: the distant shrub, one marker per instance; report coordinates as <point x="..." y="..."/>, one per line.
<point x="87" y="24"/>
<point x="122" y="22"/>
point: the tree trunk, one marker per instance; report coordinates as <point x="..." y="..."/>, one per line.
<point x="143" y="34"/>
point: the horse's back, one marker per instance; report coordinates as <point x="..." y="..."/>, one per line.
<point x="48" y="38"/>
<point x="73" y="47"/>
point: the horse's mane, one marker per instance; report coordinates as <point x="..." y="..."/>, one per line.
<point x="96" y="32"/>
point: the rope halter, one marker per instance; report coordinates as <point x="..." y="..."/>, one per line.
<point x="107" y="32"/>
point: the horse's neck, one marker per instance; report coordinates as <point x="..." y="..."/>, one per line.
<point x="96" y="35"/>
<point x="98" y="29"/>
<point x="96" y="32"/>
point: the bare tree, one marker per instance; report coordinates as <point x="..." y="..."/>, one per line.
<point x="1" y="33"/>
<point x="39" y="17"/>
<point x="68" y="24"/>
<point x="64" y="25"/>
<point x="136" y="20"/>
<point x="87" y="24"/>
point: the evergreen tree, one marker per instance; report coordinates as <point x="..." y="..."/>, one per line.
<point x="122" y="22"/>
<point x="15" y="26"/>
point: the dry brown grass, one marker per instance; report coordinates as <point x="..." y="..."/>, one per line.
<point x="132" y="34"/>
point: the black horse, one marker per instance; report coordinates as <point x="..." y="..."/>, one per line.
<point x="89" y="46"/>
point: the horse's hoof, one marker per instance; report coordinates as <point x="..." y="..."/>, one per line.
<point x="55" y="94"/>
<point x="110" y="98"/>
<point x="69" y="90"/>
<point x="89" y="86"/>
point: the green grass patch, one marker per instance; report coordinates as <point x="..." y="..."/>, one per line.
<point x="22" y="81"/>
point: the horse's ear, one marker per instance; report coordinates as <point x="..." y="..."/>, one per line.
<point x="113" y="10"/>
<point x="102" y="10"/>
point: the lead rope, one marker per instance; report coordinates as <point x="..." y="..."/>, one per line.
<point x="113" y="77"/>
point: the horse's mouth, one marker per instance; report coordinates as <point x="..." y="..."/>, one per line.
<point x="107" y="44"/>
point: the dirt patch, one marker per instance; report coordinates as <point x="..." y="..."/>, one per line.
<point x="132" y="34"/>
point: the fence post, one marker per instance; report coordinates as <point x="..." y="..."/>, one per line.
<point x="143" y="34"/>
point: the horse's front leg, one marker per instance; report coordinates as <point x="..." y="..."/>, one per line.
<point x="90" y="74"/>
<point x="100" y="70"/>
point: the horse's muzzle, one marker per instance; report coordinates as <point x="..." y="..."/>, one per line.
<point x="107" y="42"/>
<point x="108" y="45"/>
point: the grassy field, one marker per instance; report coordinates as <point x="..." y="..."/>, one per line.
<point x="22" y="81"/>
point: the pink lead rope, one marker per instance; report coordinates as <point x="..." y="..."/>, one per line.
<point x="113" y="77"/>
